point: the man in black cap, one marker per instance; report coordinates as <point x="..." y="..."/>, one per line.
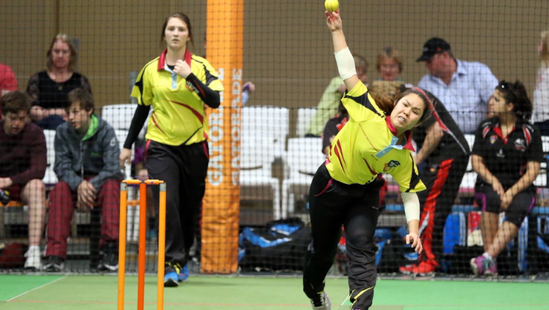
<point x="464" y="87"/>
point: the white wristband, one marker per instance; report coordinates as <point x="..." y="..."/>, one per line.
<point x="345" y="63"/>
<point x="411" y="206"/>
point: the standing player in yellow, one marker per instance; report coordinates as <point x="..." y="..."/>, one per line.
<point x="177" y="84"/>
<point x="345" y="190"/>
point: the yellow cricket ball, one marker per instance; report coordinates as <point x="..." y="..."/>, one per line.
<point x="331" y="5"/>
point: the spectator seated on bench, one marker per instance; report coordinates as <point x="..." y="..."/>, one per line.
<point x="22" y="167"/>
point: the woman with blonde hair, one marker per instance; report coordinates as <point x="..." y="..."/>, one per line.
<point x="389" y="64"/>
<point x="540" y="117"/>
<point x="49" y="88"/>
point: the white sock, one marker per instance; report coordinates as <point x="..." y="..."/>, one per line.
<point x="488" y="256"/>
<point x="34" y="247"/>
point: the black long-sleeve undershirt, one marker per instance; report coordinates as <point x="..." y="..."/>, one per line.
<point x="209" y="96"/>
<point x="138" y="120"/>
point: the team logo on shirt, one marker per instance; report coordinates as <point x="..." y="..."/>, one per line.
<point x="520" y="145"/>
<point x="390" y="165"/>
<point x="493" y="139"/>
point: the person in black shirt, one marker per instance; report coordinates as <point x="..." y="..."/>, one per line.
<point x="49" y="88"/>
<point x="506" y="155"/>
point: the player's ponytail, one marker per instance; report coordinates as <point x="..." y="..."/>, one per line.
<point x="516" y="93"/>
<point x="383" y="101"/>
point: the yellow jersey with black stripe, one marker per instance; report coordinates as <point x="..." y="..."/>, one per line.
<point x="367" y="146"/>
<point x="178" y="112"/>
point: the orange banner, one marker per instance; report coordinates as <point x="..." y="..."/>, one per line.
<point x="220" y="213"/>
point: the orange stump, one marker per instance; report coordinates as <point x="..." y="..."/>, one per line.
<point x="142" y="241"/>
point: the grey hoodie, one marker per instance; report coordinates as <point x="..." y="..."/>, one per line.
<point x="97" y="155"/>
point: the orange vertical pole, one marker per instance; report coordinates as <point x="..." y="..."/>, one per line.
<point x="142" y="245"/>
<point x="122" y="245"/>
<point x="220" y="213"/>
<point x="161" y="246"/>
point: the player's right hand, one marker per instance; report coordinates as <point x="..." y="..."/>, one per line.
<point x="416" y="242"/>
<point x="125" y="157"/>
<point x="333" y="19"/>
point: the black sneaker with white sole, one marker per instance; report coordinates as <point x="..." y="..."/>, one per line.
<point x="321" y="302"/>
<point x="109" y="262"/>
<point x="53" y="264"/>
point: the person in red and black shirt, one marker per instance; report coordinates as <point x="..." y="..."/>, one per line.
<point x="506" y="155"/>
<point x="23" y="165"/>
<point x="442" y="159"/>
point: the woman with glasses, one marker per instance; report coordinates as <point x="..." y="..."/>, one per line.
<point x="506" y="155"/>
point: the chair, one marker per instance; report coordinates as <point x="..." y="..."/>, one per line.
<point x="256" y="157"/>
<point x="304" y="156"/>
<point x="270" y="123"/>
<point x="50" y="178"/>
<point x="119" y="116"/>
<point x="304" y="116"/>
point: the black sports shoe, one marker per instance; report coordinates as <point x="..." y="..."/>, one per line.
<point x="110" y="258"/>
<point x="109" y="262"/>
<point x="53" y="264"/>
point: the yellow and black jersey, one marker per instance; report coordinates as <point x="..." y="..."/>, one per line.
<point x="367" y="146"/>
<point x="178" y="112"/>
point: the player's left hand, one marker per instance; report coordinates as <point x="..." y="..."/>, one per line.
<point x="506" y="200"/>
<point x="416" y="243"/>
<point x="182" y="68"/>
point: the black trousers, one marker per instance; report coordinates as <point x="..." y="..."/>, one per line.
<point x="442" y="181"/>
<point x="184" y="169"/>
<point x="355" y="207"/>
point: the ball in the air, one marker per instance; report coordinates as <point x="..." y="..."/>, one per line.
<point x="331" y="5"/>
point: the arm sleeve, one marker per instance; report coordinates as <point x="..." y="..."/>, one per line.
<point x="411" y="206"/>
<point x="63" y="162"/>
<point x="209" y="96"/>
<point x="139" y="118"/>
<point x="33" y="90"/>
<point x="111" y="153"/>
<point x="38" y="164"/>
